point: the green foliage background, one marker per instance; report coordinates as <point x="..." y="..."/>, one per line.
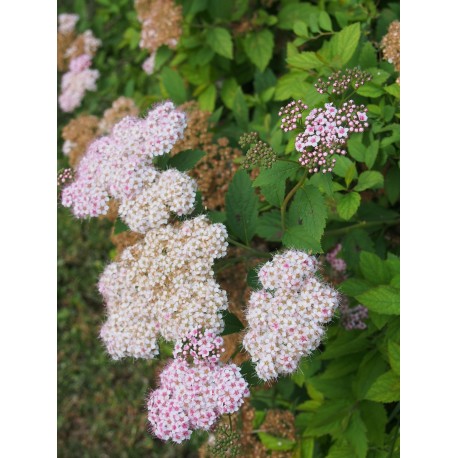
<point x="345" y="397"/>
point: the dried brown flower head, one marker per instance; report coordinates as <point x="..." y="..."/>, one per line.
<point x="124" y="240"/>
<point x="64" y="41"/>
<point x="161" y="23"/>
<point x="391" y="45"/>
<point x="78" y="134"/>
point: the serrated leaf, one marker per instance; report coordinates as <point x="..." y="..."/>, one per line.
<point x="259" y="47"/>
<point x="344" y="43"/>
<point x="269" y="226"/>
<point x="241" y="207"/>
<point x="324" y="21"/>
<point x="174" y="85"/>
<point x="374" y="269"/>
<point x="367" y="56"/>
<point x="375" y="418"/>
<point x="276" y="443"/>
<point x="354" y="286"/>
<point x="356" y="435"/>
<point x="308" y="209"/>
<point x="296" y="237"/>
<point x="394" y="354"/>
<point x="348" y="205"/>
<point x="341" y="450"/>
<point x="305" y="61"/>
<point x="369" y="179"/>
<point x="385" y="388"/>
<point x="186" y="160"/>
<point x="231" y="323"/>
<point x="382" y="299"/>
<point x="220" y="41"/>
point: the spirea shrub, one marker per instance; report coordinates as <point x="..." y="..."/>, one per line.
<point x="243" y="158"/>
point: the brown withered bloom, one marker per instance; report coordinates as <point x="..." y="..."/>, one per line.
<point x="121" y="107"/>
<point x="161" y="23"/>
<point x="85" y="43"/>
<point x="64" y="41"/>
<point x="123" y="240"/>
<point x="391" y="45"/>
<point x="77" y="135"/>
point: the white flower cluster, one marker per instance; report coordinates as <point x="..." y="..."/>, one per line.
<point x="164" y="285"/>
<point x="285" y="319"/>
<point x="67" y="22"/>
<point x="118" y="166"/>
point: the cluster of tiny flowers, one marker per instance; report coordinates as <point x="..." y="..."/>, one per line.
<point x="286" y="317"/>
<point x="291" y="115"/>
<point x="353" y="317"/>
<point x="79" y="79"/>
<point x="169" y="191"/>
<point x="390" y="46"/>
<point x="341" y="81"/>
<point x="164" y="284"/>
<point x="86" y="43"/>
<point x="117" y="165"/>
<point x="338" y="264"/>
<point x="200" y="345"/>
<point x="259" y="152"/>
<point x="326" y="131"/>
<point x="193" y="395"/>
<point x="64" y="177"/>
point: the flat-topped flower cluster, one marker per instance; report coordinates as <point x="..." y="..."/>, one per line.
<point x="195" y="388"/>
<point x="286" y="317"/>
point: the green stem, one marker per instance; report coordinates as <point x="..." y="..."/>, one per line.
<point x="362" y="224"/>
<point x="248" y="248"/>
<point x="230" y="422"/>
<point x="289" y="197"/>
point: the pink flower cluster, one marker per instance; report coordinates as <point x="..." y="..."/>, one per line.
<point x="164" y="284"/>
<point x="67" y="22"/>
<point x="79" y="79"/>
<point x="118" y="166"/>
<point x="337" y="264"/>
<point x="341" y="81"/>
<point x="64" y="177"/>
<point x="353" y="317"/>
<point x="286" y="317"/>
<point x="326" y="131"/>
<point x="193" y="394"/>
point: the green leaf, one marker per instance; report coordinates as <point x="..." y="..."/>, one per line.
<point x="240" y="109"/>
<point x="300" y="29"/>
<point x="120" y="226"/>
<point x="370" y="179"/>
<point x="308" y="209"/>
<point x="242" y="207"/>
<point x="382" y="299"/>
<point x="228" y="92"/>
<point x="269" y="226"/>
<point x="343" y="165"/>
<point x="356" y="148"/>
<point x="370" y="90"/>
<point x="252" y="278"/>
<point x="371" y="153"/>
<point x="220" y="41"/>
<point x="341" y="450"/>
<point x="392" y="184"/>
<point x="259" y="47"/>
<point x="307" y="447"/>
<point x="305" y="61"/>
<point x="207" y="98"/>
<point x="372" y="366"/>
<point x="346" y="344"/>
<point x="344" y="43"/>
<point x="174" y="85"/>
<point x="354" y="286"/>
<point x="394" y="90"/>
<point x="186" y="160"/>
<point x="394" y="354"/>
<point x="356" y="435"/>
<point x="367" y="56"/>
<point x="296" y="237"/>
<point x="231" y="324"/>
<point x="348" y="205"/>
<point x="276" y="443"/>
<point x="374" y="269"/>
<point x="324" y="21"/>
<point x="328" y="419"/>
<point x="375" y="418"/>
<point x="385" y="388"/>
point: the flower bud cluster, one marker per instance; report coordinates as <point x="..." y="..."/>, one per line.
<point x="286" y="317"/>
<point x="326" y="134"/>
<point x="164" y="284"/>
<point x="65" y="176"/>
<point x="117" y="166"/>
<point x="79" y="79"/>
<point x="259" y="152"/>
<point x="337" y="264"/>
<point x="342" y="80"/>
<point x="193" y="395"/>
<point x="291" y="115"/>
